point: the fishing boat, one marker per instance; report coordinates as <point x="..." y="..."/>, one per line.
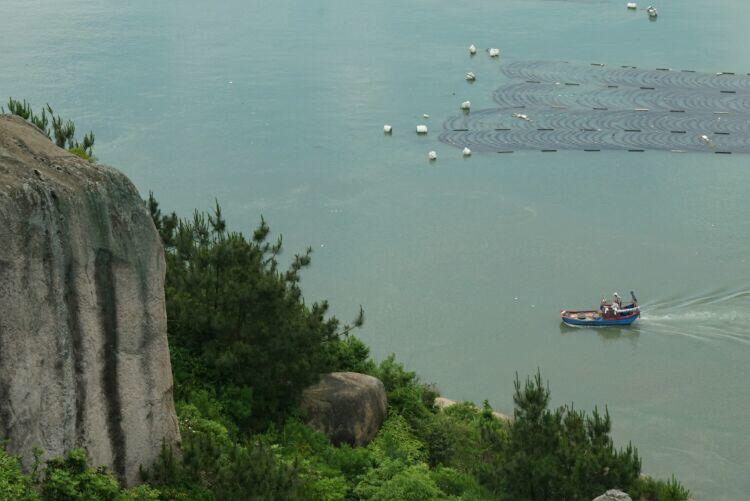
<point x="652" y="12"/>
<point x="606" y="316"/>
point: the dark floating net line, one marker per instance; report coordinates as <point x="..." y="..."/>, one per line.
<point x="597" y="107"/>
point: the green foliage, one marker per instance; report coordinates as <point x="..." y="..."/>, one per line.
<point x="454" y="438"/>
<point x="455" y="483"/>
<point x="214" y="467"/>
<point x="140" y="493"/>
<point x="63" y="130"/>
<point x="397" y="441"/>
<point x="14" y="485"/>
<point x="399" y="469"/>
<point x="394" y="481"/>
<point x="238" y="324"/>
<point x="65" y="478"/>
<point x="21" y="109"/>
<point x="244" y="344"/>
<point x="352" y="355"/>
<point x="650" y="489"/>
<point x="70" y="477"/>
<point x="560" y="454"/>
<point x="407" y="395"/>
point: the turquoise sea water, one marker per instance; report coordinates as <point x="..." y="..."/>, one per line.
<point x="462" y="265"/>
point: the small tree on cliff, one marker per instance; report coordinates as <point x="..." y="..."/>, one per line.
<point x="238" y="325"/>
<point x="561" y="453"/>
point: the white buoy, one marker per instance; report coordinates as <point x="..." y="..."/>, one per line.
<point x="387" y="129"/>
<point x="467" y="152"/>
<point x="471" y="76"/>
<point x="632" y="5"/>
<point x="421" y="129"/>
<point x="472" y="49"/>
<point x="466" y="105"/>
<point x="494" y="52"/>
<point x="425" y="115"/>
<point x="432" y="155"/>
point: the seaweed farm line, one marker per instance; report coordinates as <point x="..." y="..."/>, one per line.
<point x="593" y="107"/>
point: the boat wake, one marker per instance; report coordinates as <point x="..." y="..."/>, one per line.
<point x="718" y="316"/>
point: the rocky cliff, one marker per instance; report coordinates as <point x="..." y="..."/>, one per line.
<point x="84" y="360"/>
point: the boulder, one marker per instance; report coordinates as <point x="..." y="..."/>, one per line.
<point x="613" y="495"/>
<point x="84" y="360"/>
<point x="347" y="406"/>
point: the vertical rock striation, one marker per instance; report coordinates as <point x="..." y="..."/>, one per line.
<point x="84" y="360"/>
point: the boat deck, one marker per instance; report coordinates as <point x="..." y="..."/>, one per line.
<point x="583" y="315"/>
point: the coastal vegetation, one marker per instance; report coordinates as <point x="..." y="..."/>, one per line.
<point x="62" y="132"/>
<point x="244" y="344"/>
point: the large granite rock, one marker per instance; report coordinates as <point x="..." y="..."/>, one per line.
<point x="613" y="495"/>
<point x="84" y="360"/>
<point x="346" y="406"/>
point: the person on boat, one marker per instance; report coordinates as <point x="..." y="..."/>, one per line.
<point x="616" y="300"/>
<point x="603" y="304"/>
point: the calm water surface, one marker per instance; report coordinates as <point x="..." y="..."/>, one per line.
<point x="462" y="265"/>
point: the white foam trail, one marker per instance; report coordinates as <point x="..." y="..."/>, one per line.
<point x="698" y="316"/>
<point x="721" y="315"/>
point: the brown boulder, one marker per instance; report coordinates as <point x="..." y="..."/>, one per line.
<point x="347" y="406"/>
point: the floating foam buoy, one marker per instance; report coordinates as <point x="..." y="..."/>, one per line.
<point x="494" y="52"/>
<point x="425" y="115"/>
<point x="467" y="152"/>
<point x="421" y="129"/>
<point x="471" y="76"/>
<point x="632" y="5"/>
<point x="466" y="105"/>
<point x="707" y="140"/>
<point x="472" y="49"/>
<point x="432" y="155"/>
<point x="387" y="129"/>
<point x="521" y="116"/>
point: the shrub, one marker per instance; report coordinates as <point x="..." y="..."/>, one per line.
<point x="396" y="441"/>
<point x="560" y="454"/>
<point x="395" y="480"/>
<point x="238" y="323"/>
<point x="14" y="485"/>
<point x="212" y="466"/>
<point x="454" y="483"/>
<point x="64" y="131"/>
<point x="70" y="477"/>
<point x="650" y="489"/>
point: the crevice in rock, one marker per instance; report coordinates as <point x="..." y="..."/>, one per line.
<point x="107" y="300"/>
<point x="74" y="327"/>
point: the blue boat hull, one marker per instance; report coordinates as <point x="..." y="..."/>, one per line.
<point x="591" y="318"/>
<point x="600" y="322"/>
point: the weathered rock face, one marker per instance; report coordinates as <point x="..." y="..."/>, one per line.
<point x="613" y="495"/>
<point x="84" y="360"/>
<point x="346" y="406"/>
